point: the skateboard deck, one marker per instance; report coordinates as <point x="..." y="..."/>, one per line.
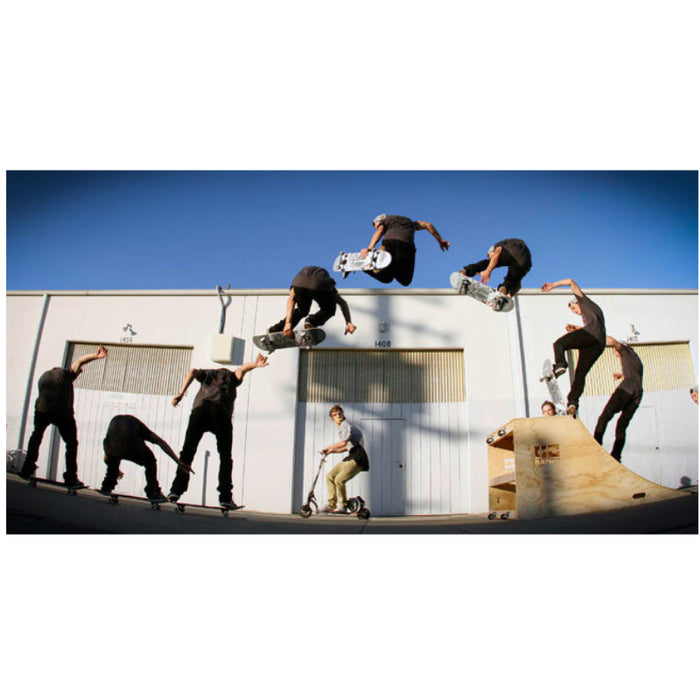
<point x="180" y="507"/>
<point x="481" y="292"/>
<point x="550" y="381"/>
<point x="269" y="342"/>
<point x="353" y="262"/>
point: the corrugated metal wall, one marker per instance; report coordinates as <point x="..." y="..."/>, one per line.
<point x="410" y="405"/>
<point x="382" y="376"/>
<point x="667" y="366"/>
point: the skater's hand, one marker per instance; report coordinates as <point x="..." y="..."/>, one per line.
<point x="363" y="253"/>
<point x="444" y="245"/>
<point x="547" y="287"/>
<point x="120" y="474"/>
<point x="485" y="277"/>
<point x="101" y="352"/>
<point x="260" y="360"/>
<point x="350" y="328"/>
<point x="570" y="327"/>
<point x="617" y="375"/>
<point x="288" y="332"/>
<point x="176" y="399"/>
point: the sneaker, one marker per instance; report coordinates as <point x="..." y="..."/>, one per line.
<point x="174" y="497"/>
<point x="157" y="498"/>
<point x="73" y="483"/>
<point x="105" y="492"/>
<point x="558" y="370"/>
<point x="341" y="510"/>
<point x="229" y="505"/>
<point x="327" y="509"/>
<point x="572" y="410"/>
<point x="26" y="475"/>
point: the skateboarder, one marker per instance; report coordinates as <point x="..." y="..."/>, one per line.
<point x="589" y="339"/>
<point x="312" y="284"/>
<point x="396" y="234"/>
<point x="625" y="399"/>
<point x="350" y="440"/>
<point x="54" y="406"/>
<point x="212" y="412"/>
<point x="548" y="409"/>
<point x="511" y="253"/>
<point x="126" y="438"/>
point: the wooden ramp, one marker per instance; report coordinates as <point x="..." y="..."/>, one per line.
<point x="551" y="466"/>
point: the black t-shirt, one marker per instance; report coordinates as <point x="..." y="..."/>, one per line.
<point x="126" y="434"/>
<point x="218" y="388"/>
<point x="56" y="391"/>
<point x="316" y="278"/>
<point x="518" y="251"/>
<point x="400" y="228"/>
<point x="632" y="369"/>
<point x="593" y="318"/>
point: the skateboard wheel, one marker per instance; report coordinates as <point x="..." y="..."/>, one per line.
<point x="180" y="508"/>
<point x="224" y="512"/>
<point x="489" y="439"/>
<point x="363" y="514"/>
<point x="492" y="516"/>
<point x="505" y="516"/>
<point x="502" y="432"/>
<point x="32" y="483"/>
<point x="305" y="511"/>
<point x="155" y="506"/>
<point x="114" y="500"/>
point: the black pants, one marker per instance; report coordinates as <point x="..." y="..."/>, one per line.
<point x="69" y="433"/>
<point x="402" y="265"/>
<point x="326" y="301"/>
<point x="514" y="277"/>
<point x="208" y="418"/>
<point x="142" y="456"/>
<point x="620" y="401"/>
<point x="590" y="349"/>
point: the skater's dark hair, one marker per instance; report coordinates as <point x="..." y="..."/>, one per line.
<point x="337" y="407"/>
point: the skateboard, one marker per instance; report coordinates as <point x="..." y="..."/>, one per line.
<point x="552" y="385"/>
<point x="269" y="342"/>
<point x="180" y="507"/>
<point x="481" y="292"/>
<point x="70" y="490"/>
<point x="352" y="262"/>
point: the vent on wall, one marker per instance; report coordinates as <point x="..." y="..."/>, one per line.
<point x="133" y="369"/>
<point x="382" y="376"/>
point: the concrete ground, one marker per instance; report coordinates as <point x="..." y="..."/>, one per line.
<point x="48" y="509"/>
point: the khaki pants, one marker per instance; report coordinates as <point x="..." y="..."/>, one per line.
<point x="336" y="480"/>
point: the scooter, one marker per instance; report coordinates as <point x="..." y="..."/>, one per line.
<point x="356" y="504"/>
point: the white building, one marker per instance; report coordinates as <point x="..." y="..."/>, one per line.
<point x="427" y="375"/>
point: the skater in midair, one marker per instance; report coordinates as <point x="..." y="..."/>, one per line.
<point x="350" y="440"/>
<point x="126" y="438"/>
<point x="312" y="283"/>
<point x="512" y="253"/>
<point x="212" y="412"/>
<point x="589" y="339"/>
<point x="625" y="399"/>
<point x="396" y="235"/>
<point x="54" y="406"/>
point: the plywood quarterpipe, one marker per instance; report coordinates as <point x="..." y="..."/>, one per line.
<point x="551" y="466"/>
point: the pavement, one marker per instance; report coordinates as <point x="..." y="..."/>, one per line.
<point x="48" y="509"/>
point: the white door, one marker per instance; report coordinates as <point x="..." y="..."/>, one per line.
<point x="384" y="442"/>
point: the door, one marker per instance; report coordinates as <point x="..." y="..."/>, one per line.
<point x="384" y="442"/>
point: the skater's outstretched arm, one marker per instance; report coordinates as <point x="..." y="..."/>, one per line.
<point x="493" y="261"/>
<point x="548" y="286"/>
<point x="291" y="301"/>
<point x="158" y="440"/>
<point x="350" y="327"/>
<point x="427" y="226"/>
<point x="380" y="231"/>
<point x="191" y="375"/>
<point x="77" y="365"/>
<point x="259" y="361"/>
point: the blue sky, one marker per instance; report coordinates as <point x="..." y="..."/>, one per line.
<point x="256" y="229"/>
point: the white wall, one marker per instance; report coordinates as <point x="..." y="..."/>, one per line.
<point x="266" y="409"/>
